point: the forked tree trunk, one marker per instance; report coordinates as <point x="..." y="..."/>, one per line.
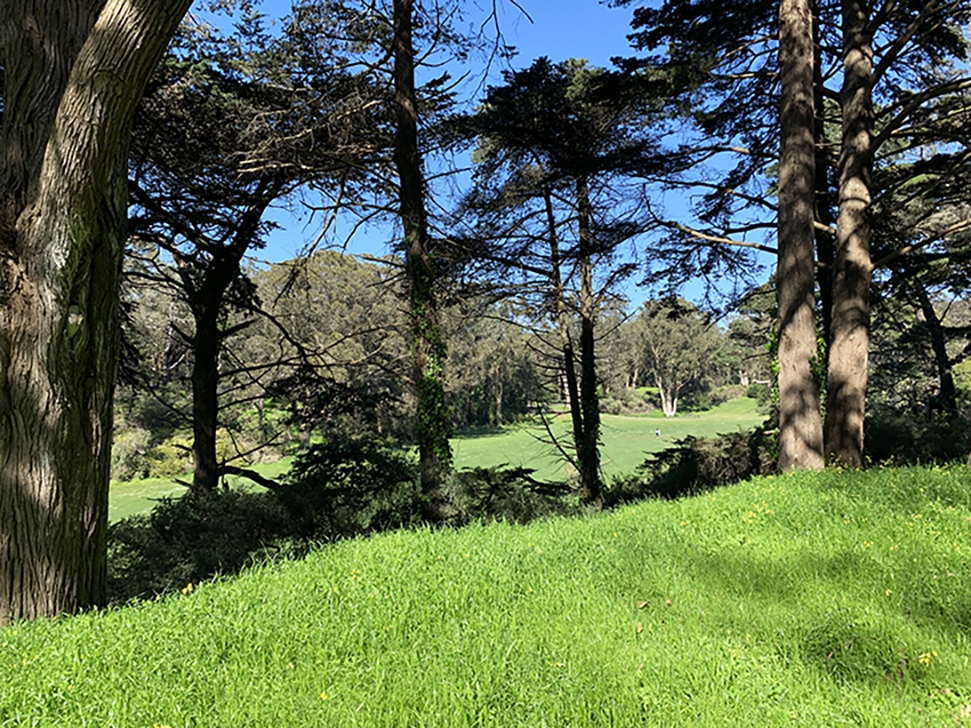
<point x="669" y="400"/>
<point x="800" y="425"/>
<point x="73" y="73"/>
<point x="432" y="421"/>
<point x="850" y="333"/>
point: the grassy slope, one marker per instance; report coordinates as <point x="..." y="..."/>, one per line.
<point x="626" y="440"/>
<point x="807" y="600"/>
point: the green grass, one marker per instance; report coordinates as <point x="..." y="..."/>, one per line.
<point x="828" y="599"/>
<point x="626" y="442"/>
<point x="140" y="496"/>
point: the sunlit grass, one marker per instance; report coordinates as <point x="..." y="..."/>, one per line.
<point x="626" y="442"/>
<point x="806" y="600"/>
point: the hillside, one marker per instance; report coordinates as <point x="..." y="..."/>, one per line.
<point x="806" y="600"/>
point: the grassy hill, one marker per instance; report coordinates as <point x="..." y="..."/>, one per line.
<point x="828" y="599"/>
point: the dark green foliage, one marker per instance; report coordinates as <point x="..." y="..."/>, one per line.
<point x="335" y="490"/>
<point x="345" y="488"/>
<point x="511" y="494"/>
<point x="697" y="464"/>
<point x="762" y="394"/>
<point x="627" y="402"/>
<point x="901" y="439"/>
<point x="186" y="540"/>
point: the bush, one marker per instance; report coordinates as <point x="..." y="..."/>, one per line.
<point x="696" y="464"/>
<point x="626" y="402"/>
<point x="344" y="488"/>
<point x="900" y="439"/>
<point x="334" y="490"/>
<point x="762" y="394"/>
<point x="171" y="457"/>
<point x="129" y="453"/>
<point x="511" y="494"/>
<point x="192" y="538"/>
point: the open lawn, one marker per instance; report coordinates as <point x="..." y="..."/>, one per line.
<point x="625" y="442"/>
<point x="814" y="599"/>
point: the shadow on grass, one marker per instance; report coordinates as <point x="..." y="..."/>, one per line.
<point x="847" y="644"/>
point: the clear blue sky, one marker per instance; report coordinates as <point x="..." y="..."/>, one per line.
<point x="559" y="29"/>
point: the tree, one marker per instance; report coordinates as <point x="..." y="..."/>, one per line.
<point x="494" y="372"/>
<point x="901" y="75"/>
<point x="339" y="347"/>
<point x="800" y="426"/>
<point x="230" y="126"/>
<point x="556" y="143"/>
<point x="73" y="72"/>
<point x="428" y="348"/>
<point x="678" y="342"/>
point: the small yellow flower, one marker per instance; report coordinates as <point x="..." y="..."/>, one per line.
<point x="187" y="589"/>
<point x="324" y="696"/>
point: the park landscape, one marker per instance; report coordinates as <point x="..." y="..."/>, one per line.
<point x="645" y="403"/>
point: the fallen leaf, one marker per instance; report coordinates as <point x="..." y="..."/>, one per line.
<point x="640" y="628"/>
<point x="641" y="605"/>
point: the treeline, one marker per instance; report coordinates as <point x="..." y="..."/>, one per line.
<point x="320" y="350"/>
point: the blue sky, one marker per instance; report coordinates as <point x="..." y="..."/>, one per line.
<point x="559" y="29"/>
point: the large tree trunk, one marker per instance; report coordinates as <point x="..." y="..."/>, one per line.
<point x="432" y="422"/>
<point x="850" y="333"/>
<point x="205" y="401"/>
<point x="800" y="426"/>
<point x="591" y="490"/>
<point x="206" y="299"/>
<point x="73" y="73"/>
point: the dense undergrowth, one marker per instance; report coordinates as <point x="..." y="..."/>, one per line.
<point x="838" y="598"/>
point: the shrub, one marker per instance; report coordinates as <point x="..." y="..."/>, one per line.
<point x="192" y="538"/>
<point x="348" y="487"/>
<point x="763" y="396"/>
<point x="626" y="402"/>
<point x="334" y="490"/>
<point x="900" y="439"/>
<point x="696" y="464"/>
<point x="129" y="453"/>
<point x="510" y="494"/>
<point x="171" y="457"/>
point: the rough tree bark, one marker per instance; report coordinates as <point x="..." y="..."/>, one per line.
<point x="432" y="422"/>
<point x="573" y="387"/>
<point x="800" y="425"/>
<point x="846" y="376"/>
<point x="73" y="72"/>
